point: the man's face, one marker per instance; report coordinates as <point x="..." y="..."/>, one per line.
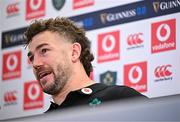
<point x="50" y="56"/>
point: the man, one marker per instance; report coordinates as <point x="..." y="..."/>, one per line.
<point x="60" y="55"/>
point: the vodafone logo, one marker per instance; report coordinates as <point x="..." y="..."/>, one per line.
<point x="163" y="36"/>
<point x="10" y="98"/>
<point x="135" y="76"/>
<point x="12" y="62"/>
<point x="33" y="96"/>
<point x="35" y="9"/>
<point x="11" y="65"/>
<point x="135" y="39"/>
<point x="35" y="4"/>
<point x="108" y="46"/>
<point x="108" y="43"/>
<point x="163" y="32"/>
<point x="33" y="91"/>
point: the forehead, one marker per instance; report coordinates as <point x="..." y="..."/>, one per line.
<point x="46" y="37"/>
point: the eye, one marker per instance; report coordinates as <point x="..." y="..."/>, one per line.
<point x="44" y="50"/>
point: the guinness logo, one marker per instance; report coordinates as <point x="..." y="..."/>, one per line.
<point x="156" y="6"/>
<point x="58" y="4"/>
<point x="7" y="39"/>
<point x="103" y="18"/>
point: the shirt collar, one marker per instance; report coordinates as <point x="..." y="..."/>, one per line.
<point x="93" y="88"/>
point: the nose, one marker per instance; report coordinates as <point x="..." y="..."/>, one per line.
<point x="37" y="62"/>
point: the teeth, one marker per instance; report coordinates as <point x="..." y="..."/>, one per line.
<point x="43" y="74"/>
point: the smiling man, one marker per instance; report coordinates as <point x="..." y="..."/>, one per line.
<point x="60" y="55"/>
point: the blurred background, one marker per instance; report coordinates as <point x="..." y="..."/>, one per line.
<point x="135" y="43"/>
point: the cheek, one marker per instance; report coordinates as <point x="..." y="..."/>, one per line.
<point x="60" y="59"/>
<point x="34" y="71"/>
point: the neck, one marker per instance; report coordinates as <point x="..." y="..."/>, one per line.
<point x="73" y="84"/>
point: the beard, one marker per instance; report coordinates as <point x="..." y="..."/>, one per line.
<point x="60" y="80"/>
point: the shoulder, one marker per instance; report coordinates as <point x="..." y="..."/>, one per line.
<point x="119" y="92"/>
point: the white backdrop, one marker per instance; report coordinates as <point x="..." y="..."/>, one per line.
<point x="135" y="43"/>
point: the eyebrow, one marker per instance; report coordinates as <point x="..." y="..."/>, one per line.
<point x="38" y="47"/>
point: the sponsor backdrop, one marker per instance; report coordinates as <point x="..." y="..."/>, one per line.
<point x="135" y="43"/>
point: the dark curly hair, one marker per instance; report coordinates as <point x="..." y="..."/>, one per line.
<point x="67" y="28"/>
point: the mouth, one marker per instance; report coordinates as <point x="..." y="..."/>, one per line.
<point x="43" y="74"/>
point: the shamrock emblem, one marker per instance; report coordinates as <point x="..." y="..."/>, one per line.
<point x="95" y="102"/>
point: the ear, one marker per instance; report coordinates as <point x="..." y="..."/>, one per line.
<point x="76" y="52"/>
